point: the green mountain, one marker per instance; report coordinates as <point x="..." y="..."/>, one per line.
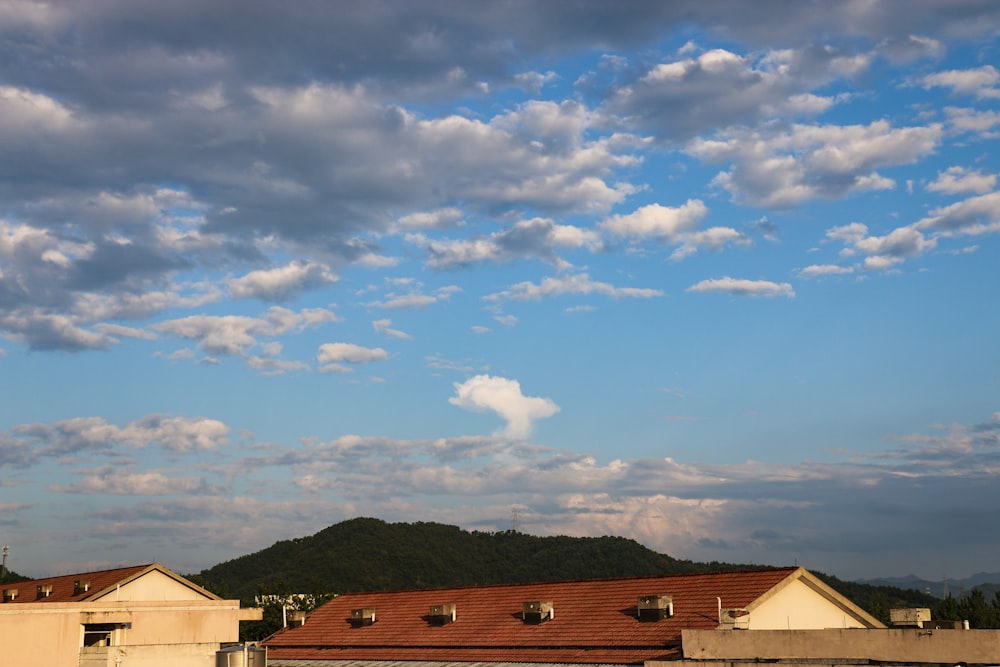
<point x="367" y="554"/>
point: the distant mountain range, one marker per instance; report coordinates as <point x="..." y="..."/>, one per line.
<point x="987" y="582"/>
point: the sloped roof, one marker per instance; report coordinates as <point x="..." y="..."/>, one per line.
<point x="64" y="587"/>
<point x="594" y="621"/>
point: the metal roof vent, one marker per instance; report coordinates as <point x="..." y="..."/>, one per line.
<point x="655" y="607"/>
<point x="734" y="619"/>
<point x="442" y="614"/>
<point x="43" y="591"/>
<point x="81" y="586"/>
<point x="363" y="616"/>
<point x="537" y="612"/>
<point x="9" y="594"/>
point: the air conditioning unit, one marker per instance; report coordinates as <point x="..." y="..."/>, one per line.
<point x="43" y="591"/>
<point x="81" y="586"/>
<point x="442" y="614"/>
<point x="9" y="594"/>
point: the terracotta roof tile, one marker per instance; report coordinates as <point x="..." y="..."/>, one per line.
<point x="64" y="587"/>
<point x="594" y="621"/>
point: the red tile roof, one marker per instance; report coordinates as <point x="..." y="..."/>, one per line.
<point x="593" y="621"/>
<point x="64" y="587"/>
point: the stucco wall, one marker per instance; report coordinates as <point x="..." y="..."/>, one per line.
<point x="153" y="585"/>
<point x="799" y="607"/>
<point x="50" y="634"/>
<point x="912" y="646"/>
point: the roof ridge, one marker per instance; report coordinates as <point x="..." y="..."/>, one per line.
<point x="523" y="584"/>
<point x="92" y="573"/>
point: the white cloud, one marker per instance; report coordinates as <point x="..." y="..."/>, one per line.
<point x="538" y="237"/>
<point x="242" y="336"/>
<point x="815" y="270"/>
<point x="282" y="283"/>
<point x="383" y="326"/>
<point x="976" y="215"/>
<point x="972" y="120"/>
<point x="655" y="220"/>
<point x="980" y="82"/>
<point x="811" y="161"/>
<point x="122" y="482"/>
<point x="959" y="180"/>
<point x="743" y="287"/>
<point x="579" y="283"/>
<point x="503" y="396"/>
<point x="681" y="99"/>
<point x="443" y="218"/>
<point x="333" y="356"/>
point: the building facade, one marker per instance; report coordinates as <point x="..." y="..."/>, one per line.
<point x="142" y="616"/>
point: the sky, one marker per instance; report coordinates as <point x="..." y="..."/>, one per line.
<point x="718" y="276"/>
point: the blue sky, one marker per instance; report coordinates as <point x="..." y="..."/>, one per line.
<point x="717" y="276"/>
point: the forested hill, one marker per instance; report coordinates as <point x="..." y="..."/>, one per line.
<point x="370" y="554"/>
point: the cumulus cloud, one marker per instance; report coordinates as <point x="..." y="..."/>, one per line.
<point x="94" y="435"/>
<point x="816" y="270"/>
<point x="680" y="99"/>
<point x="238" y="335"/>
<point x="503" y="396"/>
<point x="657" y="221"/>
<point x="744" y="287"/>
<point x="579" y="283"/>
<point x="115" y="481"/>
<point x="384" y="326"/>
<point x="333" y="356"/>
<point x="976" y="215"/>
<point x="983" y="123"/>
<point x="882" y="252"/>
<point x="959" y="180"/>
<point x="443" y="218"/>
<point x="539" y="237"/>
<point x="282" y="283"/>
<point x="980" y="82"/>
<point x="811" y="161"/>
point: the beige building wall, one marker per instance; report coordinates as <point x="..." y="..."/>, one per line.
<point x="798" y="606"/>
<point x="174" y="625"/>
<point x="911" y="646"/>
<point x="153" y="586"/>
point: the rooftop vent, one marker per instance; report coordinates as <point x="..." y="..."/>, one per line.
<point x="442" y="614"/>
<point x="363" y="616"/>
<point x="734" y="619"/>
<point x="909" y="618"/>
<point x="9" y="594"/>
<point x="43" y="591"/>
<point x="537" y="612"/>
<point x="296" y="619"/>
<point x="81" y="586"/>
<point x="655" y="607"/>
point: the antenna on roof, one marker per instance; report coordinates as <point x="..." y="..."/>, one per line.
<point x="3" y="568"/>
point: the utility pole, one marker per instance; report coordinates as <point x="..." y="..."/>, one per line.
<point x="3" y="568"/>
